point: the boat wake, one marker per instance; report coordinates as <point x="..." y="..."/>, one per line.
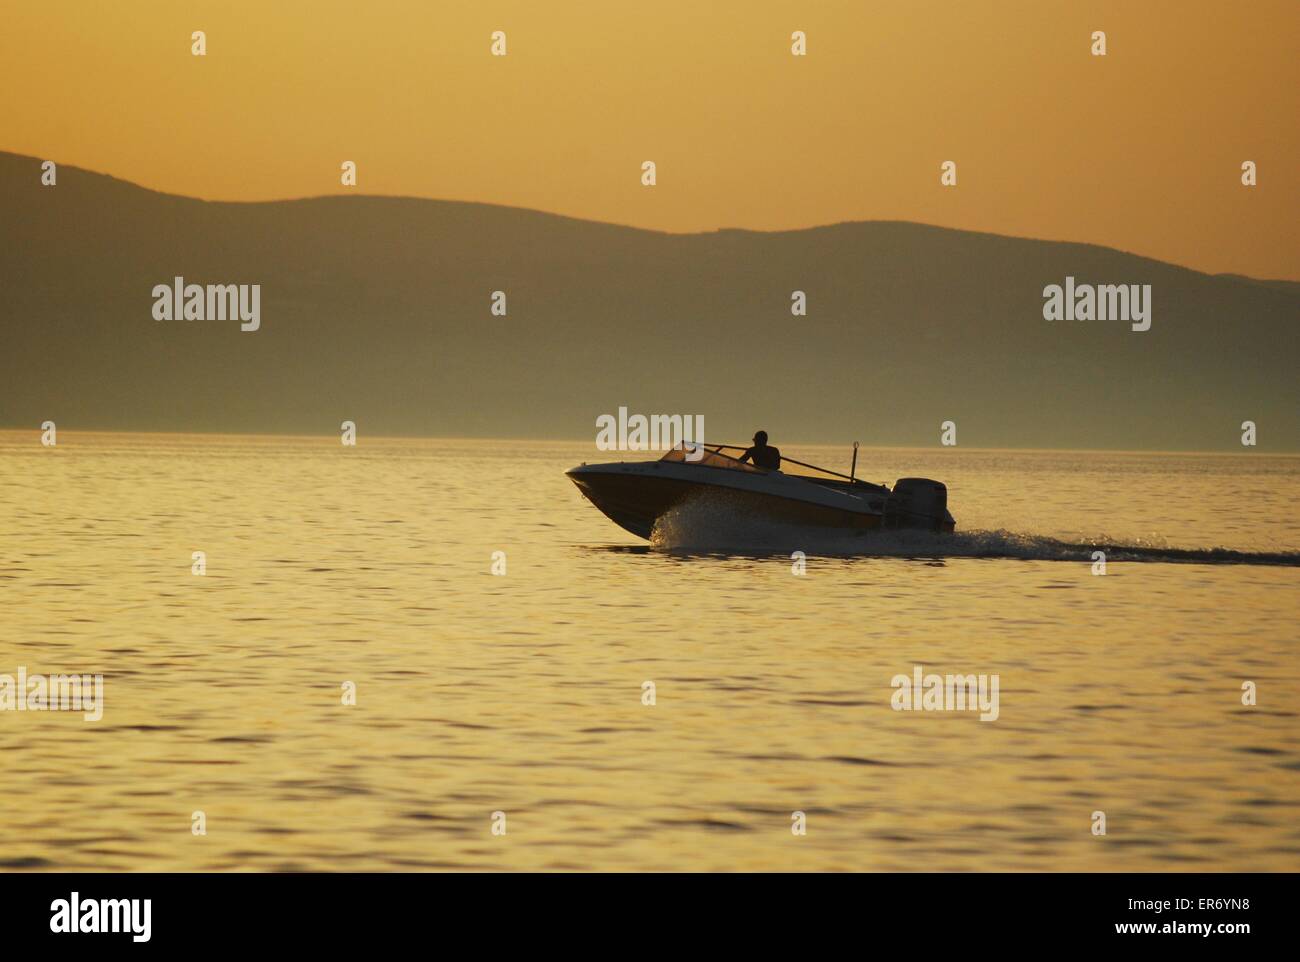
<point x="700" y="527"/>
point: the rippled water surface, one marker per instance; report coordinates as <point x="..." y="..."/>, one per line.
<point x="522" y="693"/>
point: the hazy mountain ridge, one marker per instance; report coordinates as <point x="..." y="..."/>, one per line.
<point x="376" y="309"/>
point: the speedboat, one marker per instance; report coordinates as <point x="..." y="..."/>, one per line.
<point x="636" y="494"/>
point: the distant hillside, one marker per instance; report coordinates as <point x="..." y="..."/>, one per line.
<point x="377" y="310"/>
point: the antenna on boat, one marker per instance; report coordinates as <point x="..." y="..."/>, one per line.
<point x="854" y="469"/>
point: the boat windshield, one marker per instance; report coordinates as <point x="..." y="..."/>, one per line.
<point x="714" y="456"/>
<point x="728" y="455"/>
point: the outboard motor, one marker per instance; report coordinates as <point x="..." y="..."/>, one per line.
<point x="918" y="503"/>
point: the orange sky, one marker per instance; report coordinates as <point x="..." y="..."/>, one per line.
<point x="1139" y="150"/>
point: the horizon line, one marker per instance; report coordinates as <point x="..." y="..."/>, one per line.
<point x="504" y="439"/>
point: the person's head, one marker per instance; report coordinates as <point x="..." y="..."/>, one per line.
<point x="760" y="438"/>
